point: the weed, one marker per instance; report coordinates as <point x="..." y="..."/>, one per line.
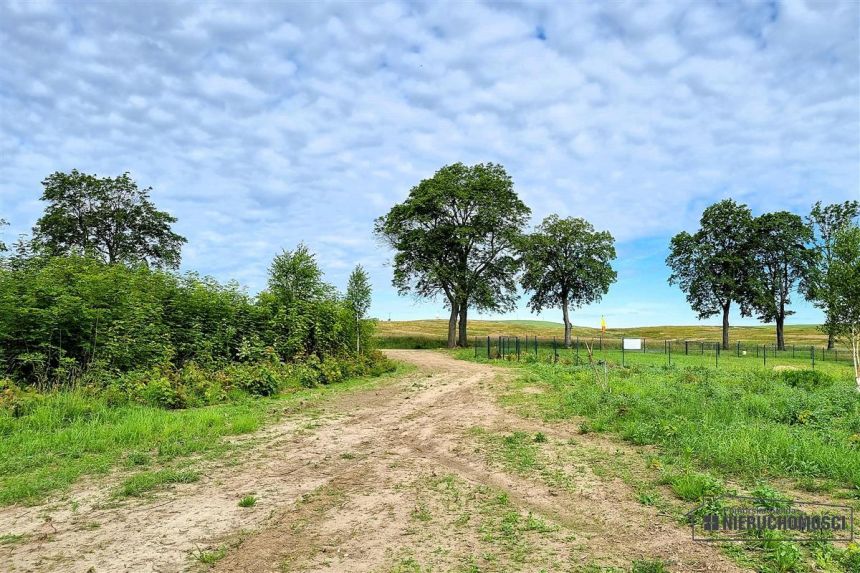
<point x="210" y="557"/>
<point x="146" y="482"/>
<point x="248" y="501"/>
<point x="693" y="486"/>
<point x="648" y="567"/>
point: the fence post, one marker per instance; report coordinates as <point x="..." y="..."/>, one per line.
<point x="812" y="352"/>
<point x="792" y="350"/>
<point x="536" y="346"/>
<point x="686" y="347"/>
<point x="622" y="352"/>
<point x="476" y="346"/>
<point x="643" y="346"/>
<point x="670" y="352"/>
<point x="601" y="343"/>
<point x="739" y="348"/>
<point x="488" y="347"/>
<point x="764" y="353"/>
<point x="518" y="348"/>
<point x="703" y="349"/>
<point x="554" y="351"/>
<point x="717" y="355"/>
<point x="577" y="348"/>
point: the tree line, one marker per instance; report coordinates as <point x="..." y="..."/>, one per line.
<point x="94" y="294"/>
<point x="759" y="263"/>
<point x="461" y="235"/>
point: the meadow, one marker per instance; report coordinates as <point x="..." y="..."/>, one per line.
<point x="405" y="331"/>
<point x="782" y="431"/>
<point x="56" y="438"/>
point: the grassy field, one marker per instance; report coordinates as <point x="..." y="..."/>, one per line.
<point x="66" y="435"/>
<point x="799" y="334"/>
<point x="787" y="432"/>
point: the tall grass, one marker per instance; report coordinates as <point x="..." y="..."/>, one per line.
<point x="65" y="435"/>
<point x="752" y="423"/>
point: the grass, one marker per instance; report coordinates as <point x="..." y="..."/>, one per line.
<point x="146" y="482"/>
<point x="744" y="422"/>
<point x="211" y="557"/>
<point x="248" y="501"/>
<point x="69" y="434"/>
<point x="417" y="330"/>
<point x="750" y="427"/>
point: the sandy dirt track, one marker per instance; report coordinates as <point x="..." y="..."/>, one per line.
<point x="388" y="479"/>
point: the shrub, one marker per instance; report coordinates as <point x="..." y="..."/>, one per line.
<point x="806" y="379"/>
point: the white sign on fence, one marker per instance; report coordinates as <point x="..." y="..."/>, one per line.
<point x="632" y="343"/>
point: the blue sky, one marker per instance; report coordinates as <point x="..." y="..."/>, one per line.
<point x="262" y="125"/>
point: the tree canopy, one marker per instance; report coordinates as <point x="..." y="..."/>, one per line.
<point x="107" y="217"/>
<point x="712" y="265"/>
<point x="358" y="293"/>
<point x="782" y="262"/>
<point x="566" y="263"/>
<point x="826" y="221"/>
<point x="842" y="281"/>
<point x="455" y="235"/>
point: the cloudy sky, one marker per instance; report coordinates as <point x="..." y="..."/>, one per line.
<point x="263" y="125"/>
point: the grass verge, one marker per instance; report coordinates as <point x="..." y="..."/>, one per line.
<point x="71" y="434"/>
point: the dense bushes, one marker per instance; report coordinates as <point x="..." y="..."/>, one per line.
<point x="156" y="337"/>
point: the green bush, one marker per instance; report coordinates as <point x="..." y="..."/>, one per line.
<point x="807" y="379"/>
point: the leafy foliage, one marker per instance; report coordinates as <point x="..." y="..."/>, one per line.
<point x="712" y="265"/>
<point x="842" y="283"/>
<point x="566" y="262"/>
<point x="782" y="262"/>
<point x="826" y="221"/>
<point x="455" y="236"/>
<point x="107" y="217"/>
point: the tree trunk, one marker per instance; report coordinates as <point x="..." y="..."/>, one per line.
<point x="780" y="336"/>
<point x="830" y="338"/>
<point x="566" y="315"/>
<point x="726" y="325"/>
<point x="464" y="339"/>
<point x="452" y="325"/>
<point x="855" y="354"/>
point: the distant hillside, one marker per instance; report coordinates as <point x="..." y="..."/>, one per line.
<point x="795" y="334"/>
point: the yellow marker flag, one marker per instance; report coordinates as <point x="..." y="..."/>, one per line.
<point x="602" y="324"/>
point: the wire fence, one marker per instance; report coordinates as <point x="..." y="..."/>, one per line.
<point x="644" y="350"/>
<point x="650" y="351"/>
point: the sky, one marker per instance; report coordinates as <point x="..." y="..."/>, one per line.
<point x="264" y="125"/>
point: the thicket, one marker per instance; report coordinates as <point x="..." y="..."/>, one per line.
<point x="174" y="340"/>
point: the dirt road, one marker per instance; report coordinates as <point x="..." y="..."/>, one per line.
<point x="411" y="476"/>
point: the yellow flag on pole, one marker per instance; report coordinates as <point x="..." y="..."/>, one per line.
<point x="602" y="324"/>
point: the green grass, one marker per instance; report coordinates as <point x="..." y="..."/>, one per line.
<point x="69" y="434"/>
<point x="746" y="422"/>
<point x="715" y="431"/>
<point x="248" y="501"/>
<point x="146" y="482"/>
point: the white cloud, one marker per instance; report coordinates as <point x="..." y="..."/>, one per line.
<point x="264" y="125"/>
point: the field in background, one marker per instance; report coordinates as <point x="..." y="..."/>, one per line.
<point x="800" y="334"/>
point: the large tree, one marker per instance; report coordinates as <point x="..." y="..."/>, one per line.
<point x="358" y="292"/>
<point x="782" y="262"/>
<point x="107" y="217"/>
<point x="842" y="280"/>
<point x="826" y="221"/>
<point x="566" y="263"/>
<point x="712" y="265"/>
<point x="455" y="235"/>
